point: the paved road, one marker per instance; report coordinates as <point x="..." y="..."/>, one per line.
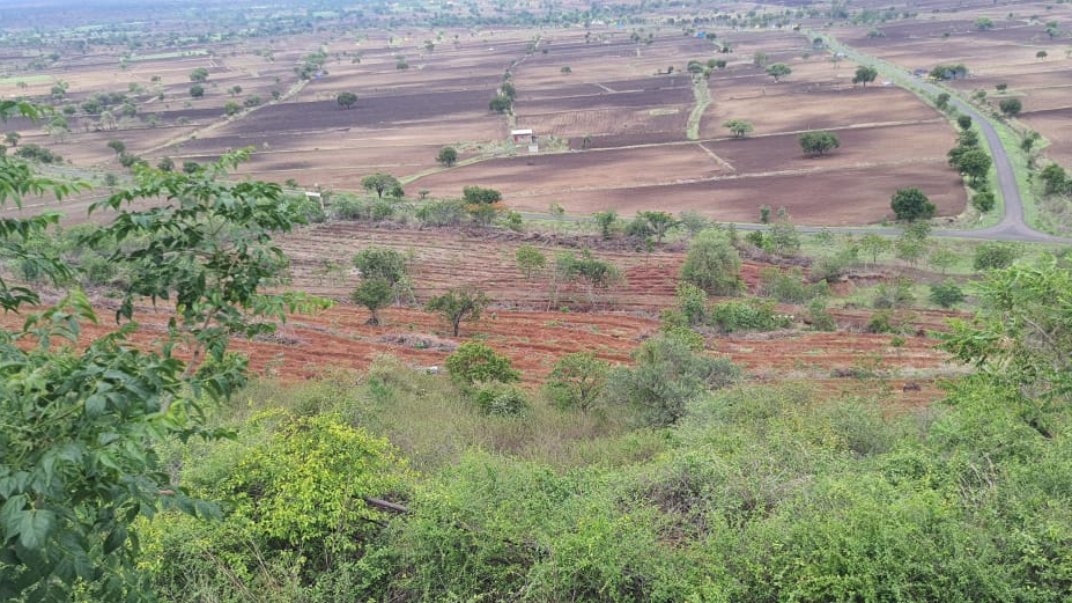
<point x="1012" y="226"/>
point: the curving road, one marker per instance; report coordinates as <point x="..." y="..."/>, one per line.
<point x="1012" y="226"/>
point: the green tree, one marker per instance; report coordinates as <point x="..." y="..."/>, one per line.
<point x="481" y="196"/>
<point x="530" y="261"/>
<point x="984" y="23"/>
<point x="380" y="183"/>
<point x="739" y="127"/>
<point x="943" y="259"/>
<point x="83" y="424"/>
<point x="577" y="381"/>
<point x="818" y="142"/>
<point x="964" y="121"/>
<point x="874" y="245"/>
<point x="713" y="264"/>
<point x="1054" y="178"/>
<point x="346" y="99"/>
<point x="118" y="146"/>
<point x="199" y="75"/>
<point x="373" y="293"/>
<point x="474" y="362"/>
<point x="167" y="164"/>
<point x="231" y="108"/>
<point x="778" y="71"/>
<point x="381" y="263"/>
<point x="1011" y="107"/>
<point x="12" y="138"/>
<point x="864" y="75"/>
<point x="1041" y="54"/>
<point x="975" y="164"/>
<point x="447" y="156"/>
<point x="457" y="305"/>
<point x="1001" y="87"/>
<point x="500" y="103"/>
<point x="606" y="220"/>
<point x="910" y="204"/>
<point x="942" y="100"/>
<point x="660" y="221"/>
<point x="197" y="91"/>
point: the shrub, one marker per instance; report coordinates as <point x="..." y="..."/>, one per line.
<point x="880" y="322"/>
<point x="820" y="319"/>
<point x="501" y="399"/>
<point x="789" y="287"/>
<point x="748" y="315"/>
<point x="449" y="212"/>
<point x="983" y="201"/>
<point x="947" y="294"/>
<point x="475" y="362"/>
<point x="989" y="256"/>
<point x="893" y="295"/>
<point x="666" y="377"/>
<point x="713" y="264"/>
<point x="577" y="382"/>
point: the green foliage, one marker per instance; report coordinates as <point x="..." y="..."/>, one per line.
<point x="199" y="75"/>
<point x="464" y="303"/>
<point x="475" y="362"/>
<point x="668" y="374"/>
<point x="946" y="294"/>
<point x="748" y="315"/>
<point x="530" y="261"/>
<point x="983" y="201"/>
<point x="500" y="399"/>
<point x="1055" y="179"/>
<point x="778" y="71"/>
<point x="713" y="264"/>
<point x="346" y="99"/>
<point x="373" y="293"/>
<point x="448" y="212"/>
<point x="910" y="204"/>
<point x="475" y="195"/>
<point x="989" y="256"/>
<point x="606" y="220"/>
<point x="577" y="381"/>
<point x="1011" y="107"/>
<point x="818" y="143"/>
<point x="197" y="91"/>
<point x="381" y="263"/>
<point x="739" y="127"/>
<point x="864" y="75"/>
<point x="942" y="101"/>
<point x="790" y="286"/>
<point x="897" y="294"/>
<point x="965" y="122"/>
<point x="447" y="156"/>
<point x="380" y="183"/>
<point x="500" y="103"/>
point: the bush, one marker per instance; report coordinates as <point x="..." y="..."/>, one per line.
<point x="449" y="212"/>
<point x="820" y="319"/>
<point x="894" y="295"/>
<point x="501" y="400"/>
<point x="666" y="377"/>
<point x="947" y="294"/>
<point x="748" y="315"/>
<point x="577" y="381"/>
<point x="713" y="264"/>
<point x="983" y="201"/>
<point x="989" y="256"/>
<point x="475" y="362"/>
<point x="789" y="287"/>
<point x="880" y="322"/>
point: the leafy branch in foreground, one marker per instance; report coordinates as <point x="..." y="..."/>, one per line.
<point x="80" y="419"/>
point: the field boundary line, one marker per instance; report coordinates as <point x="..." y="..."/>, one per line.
<point x="718" y="160"/>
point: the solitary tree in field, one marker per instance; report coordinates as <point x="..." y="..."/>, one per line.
<point x="1002" y="88"/>
<point x="12" y="138"/>
<point x="231" y="108"/>
<point x="374" y="294"/>
<point x="199" y="75"/>
<point x="739" y="127"/>
<point x="818" y="143"/>
<point x="910" y="204"/>
<point x="566" y="70"/>
<point x="380" y="183"/>
<point x="457" y="305"/>
<point x="118" y="146"/>
<point x="984" y="23"/>
<point x="865" y="75"/>
<point x="778" y="71"/>
<point x="1041" y="54"/>
<point x="197" y="91"/>
<point x="346" y="99"/>
<point x="1011" y="106"/>
<point x="448" y="156"/>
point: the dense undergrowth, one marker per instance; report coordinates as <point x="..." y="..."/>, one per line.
<point x="760" y="493"/>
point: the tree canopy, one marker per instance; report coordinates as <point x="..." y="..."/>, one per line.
<point x="739" y="127"/>
<point x="864" y="75"/>
<point x="346" y="99"/>
<point x="818" y="142"/>
<point x="778" y="71"/>
<point x="910" y="204"/>
<point x="381" y="183"/>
